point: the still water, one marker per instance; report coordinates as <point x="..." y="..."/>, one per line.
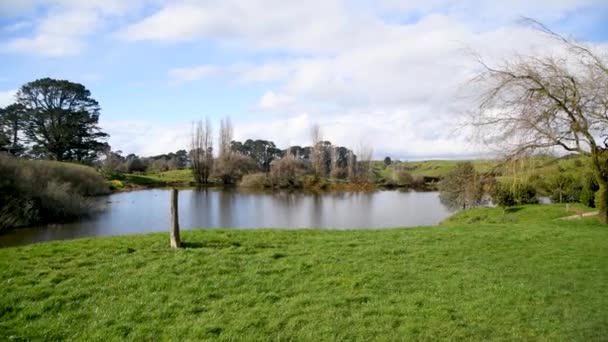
<point x="149" y="211"/>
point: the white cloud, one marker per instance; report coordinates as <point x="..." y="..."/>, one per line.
<point x="7" y="97"/>
<point x="145" y="138"/>
<point x="271" y="101"/>
<point x="398" y="84"/>
<point x="386" y="71"/>
<point x="65" y="26"/>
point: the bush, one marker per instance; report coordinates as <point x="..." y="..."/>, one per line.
<point x="402" y="178"/>
<point x="503" y="197"/>
<point x="233" y="168"/>
<point x="256" y="181"/>
<point x="34" y="192"/>
<point x="524" y="193"/>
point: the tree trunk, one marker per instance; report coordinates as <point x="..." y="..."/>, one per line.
<point x="175" y="240"/>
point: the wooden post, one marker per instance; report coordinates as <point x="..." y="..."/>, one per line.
<point x="175" y="241"/>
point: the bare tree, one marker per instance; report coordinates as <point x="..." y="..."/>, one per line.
<point x="316" y="155"/>
<point x="201" y="150"/>
<point x="364" y="163"/>
<point x="226" y="136"/>
<point x="549" y="102"/>
<point x="351" y="166"/>
<point x="225" y="162"/>
<point x="334" y="168"/>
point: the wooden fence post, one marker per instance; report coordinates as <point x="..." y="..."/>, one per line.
<point x="175" y="241"/>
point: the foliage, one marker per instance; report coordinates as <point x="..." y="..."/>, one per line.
<point x="262" y="151"/>
<point x="563" y="188"/>
<point x="387" y="161"/>
<point x="524" y="193"/>
<point x="59" y="128"/>
<point x="481" y="282"/>
<point x="590" y="187"/>
<point x="40" y="191"/>
<point x="503" y="196"/>
<point x="136" y="165"/>
<point x="461" y="188"/>
<point x="12" y="121"/>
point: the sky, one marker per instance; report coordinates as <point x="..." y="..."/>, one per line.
<point x="393" y="74"/>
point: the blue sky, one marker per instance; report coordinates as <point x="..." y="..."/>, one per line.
<point x="387" y="73"/>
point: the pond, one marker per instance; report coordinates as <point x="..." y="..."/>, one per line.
<point x="148" y="211"/>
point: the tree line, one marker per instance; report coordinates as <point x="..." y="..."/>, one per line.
<point x="58" y="120"/>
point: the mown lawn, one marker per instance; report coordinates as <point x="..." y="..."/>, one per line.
<point x="529" y="280"/>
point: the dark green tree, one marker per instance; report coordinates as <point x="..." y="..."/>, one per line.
<point x="61" y="120"/>
<point x="587" y="196"/>
<point x="388" y="161"/>
<point x="262" y="151"/>
<point x="4" y="140"/>
<point x="12" y="120"/>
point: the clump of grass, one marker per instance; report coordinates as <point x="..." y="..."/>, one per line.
<point x="42" y="191"/>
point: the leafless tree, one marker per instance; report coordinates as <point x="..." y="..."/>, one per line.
<point x="364" y="163"/>
<point x="351" y="168"/>
<point x="201" y="150"/>
<point x="550" y="102"/>
<point x="335" y="171"/>
<point x="226" y="135"/>
<point x="316" y="155"/>
<point x="225" y="161"/>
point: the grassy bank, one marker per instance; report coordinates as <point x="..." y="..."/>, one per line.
<point x="126" y="182"/>
<point x="537" y="280"/>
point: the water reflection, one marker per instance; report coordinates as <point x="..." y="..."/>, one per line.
<point x="148" y="211"/>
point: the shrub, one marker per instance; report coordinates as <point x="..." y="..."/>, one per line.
<point x="524" y="193"/>
<point x="34" y="192"/>
<point x="503" y="197"/>
<point x="116" y="184"/>
<point x="232" y="168"/>
<point x="402" y="178"/>
<point x="256" y="181"/>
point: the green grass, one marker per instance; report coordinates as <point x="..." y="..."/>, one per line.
<point x="154" y="179"/>
<point x="172" y="176"/>
<point x="525" y="214"/>
<point x="536" y="279"/>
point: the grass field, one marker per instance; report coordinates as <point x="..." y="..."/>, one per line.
<point x="531" y="279"/>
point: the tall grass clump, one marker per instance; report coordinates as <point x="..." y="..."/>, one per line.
<point x="34" y="191"/>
